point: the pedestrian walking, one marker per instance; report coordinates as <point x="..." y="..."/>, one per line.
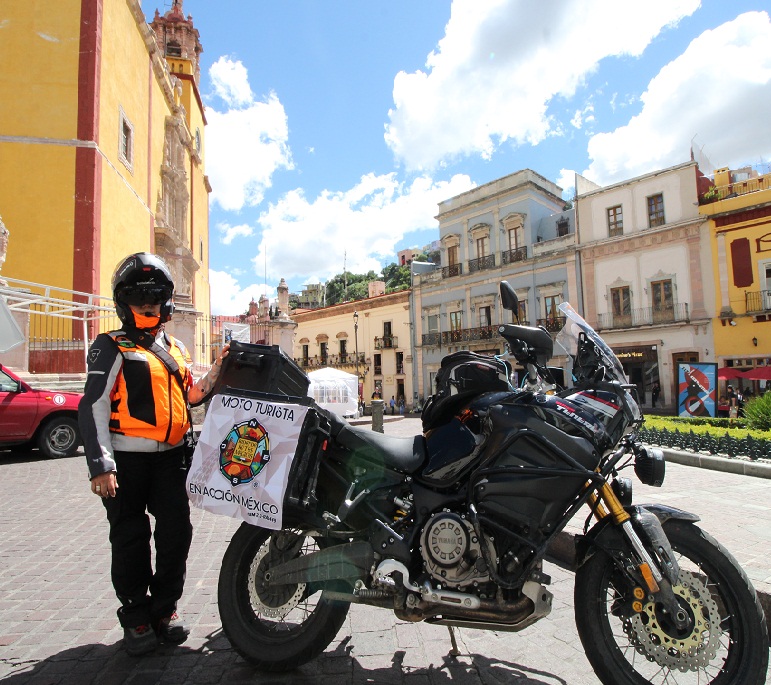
<point x="134" y="419"/>
<point x="655" y="392"/>
<point x="393" y="405"/>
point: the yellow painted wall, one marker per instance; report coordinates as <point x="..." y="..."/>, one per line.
<point x="736" y="341"/>
<point x="39" y="56"/>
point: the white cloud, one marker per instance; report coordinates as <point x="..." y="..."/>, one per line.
<point x="500" y="63"/>
<point x="307" y="238"/>
<point x="567" y="181"/>
<point x="229" y="233"/>
<point x="245" y="144"/>
<point x="718" y="89"/>
<point x="231" y="81"/>
<point x="228" y="298"/>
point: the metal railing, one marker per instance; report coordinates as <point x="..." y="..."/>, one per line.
<point x="387" y="342"/>
<point x="511" y="256"/>
<point x="431" y="338"/>
<point x="334" y="360"/>
<point x="452" y="270"/>
<point x="553" y="324"/>
<point x="750" y="185"/>
<point x="646" y="316"/>
<point x="481" y="263"/>
<point x="469" y="334"/>
<point x="759" y="301"/>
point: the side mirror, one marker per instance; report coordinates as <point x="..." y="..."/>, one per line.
<point x="509" y="299"/>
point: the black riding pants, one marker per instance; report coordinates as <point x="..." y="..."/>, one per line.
<point x="155" y="483"/>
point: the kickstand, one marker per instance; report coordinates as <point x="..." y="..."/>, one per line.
<point x="454" y="651"/>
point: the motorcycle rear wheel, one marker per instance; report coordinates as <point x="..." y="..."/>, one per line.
<point x="275" y="628"/>
<point x="728" y="646"/>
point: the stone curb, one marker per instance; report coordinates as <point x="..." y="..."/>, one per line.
<point x="741" y="467"/>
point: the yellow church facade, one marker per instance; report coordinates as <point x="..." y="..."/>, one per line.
<point x="102" y="149"/>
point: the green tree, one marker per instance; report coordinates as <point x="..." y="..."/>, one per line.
<point x="757" y="412"/>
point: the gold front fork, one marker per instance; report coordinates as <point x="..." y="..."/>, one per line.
<point x="606" y="504"/>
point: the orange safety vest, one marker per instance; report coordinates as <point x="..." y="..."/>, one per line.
<point x="146" y="400"/>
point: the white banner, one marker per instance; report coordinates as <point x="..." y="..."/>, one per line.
<point x="242" y="461"/>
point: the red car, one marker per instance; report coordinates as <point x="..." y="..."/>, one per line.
<point x="46" y="418"/>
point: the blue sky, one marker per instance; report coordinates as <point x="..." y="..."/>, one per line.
<point x="335" y="128"/>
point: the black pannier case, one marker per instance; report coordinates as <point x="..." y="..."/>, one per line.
<point x="264" y="368"/>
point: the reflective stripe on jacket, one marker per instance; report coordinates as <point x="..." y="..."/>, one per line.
<point x="146" y="400"/>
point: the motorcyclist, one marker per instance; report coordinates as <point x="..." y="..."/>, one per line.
<point x="133" y="418"/>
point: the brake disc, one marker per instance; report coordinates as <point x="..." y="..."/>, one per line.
<point x="276" y="601"/>
<point x="682" y="652"/>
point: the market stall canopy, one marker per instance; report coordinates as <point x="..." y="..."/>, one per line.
<point x="335" y="390"/>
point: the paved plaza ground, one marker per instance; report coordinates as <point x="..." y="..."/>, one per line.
<point x="57" y="607"/>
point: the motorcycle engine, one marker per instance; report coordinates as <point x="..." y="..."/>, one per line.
<point x="452" y="552"/>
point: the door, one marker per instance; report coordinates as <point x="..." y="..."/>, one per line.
<point x="18" y="409"/>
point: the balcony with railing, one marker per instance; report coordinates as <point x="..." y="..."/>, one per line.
<point x="553" y="324"/>
<point x="481" y="263"/>
<point x="511" y="256"/>
<point x="646" y="316"/>
<point x="387" y="342"/>
<point x="452" y="270"/>
<point x="429" y="339"/>
<point x="469" y="334"/>
<point x="735" y="189"/>
<point x="758" y="302"/>
<point x="334" y="360"/>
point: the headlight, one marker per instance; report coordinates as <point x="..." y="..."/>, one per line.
<point x="649" y="465"/>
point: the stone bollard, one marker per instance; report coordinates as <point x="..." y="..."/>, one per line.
<point x="377" y="415"/>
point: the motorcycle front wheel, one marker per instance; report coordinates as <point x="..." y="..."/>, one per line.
<point x="276" y="628"/>
<point x="726" y="642"/>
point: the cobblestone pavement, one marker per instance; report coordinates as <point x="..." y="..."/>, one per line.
<point x="57" y="607"/>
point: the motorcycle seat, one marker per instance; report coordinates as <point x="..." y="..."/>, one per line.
<point x="402" y="454"/>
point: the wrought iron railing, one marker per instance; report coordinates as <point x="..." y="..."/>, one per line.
<point x="553" y="324"/>
<point x="387" y="342"/>
<point x="481" y="263"/>
<point x="759" y="301"/>
<point x="431" y="338"/>
<point x="335" y="360"/>
<point x="469" y="334"/>
<point x="511" y="256"/>
<point x="726" y="445"/>
<point x="646" y="316"/>
<point x="452" y="270"/>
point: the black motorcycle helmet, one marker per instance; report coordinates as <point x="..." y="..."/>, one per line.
<point x="142" y="278"/>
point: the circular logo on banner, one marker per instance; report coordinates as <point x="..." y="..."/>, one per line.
<point x="244" y="452"/>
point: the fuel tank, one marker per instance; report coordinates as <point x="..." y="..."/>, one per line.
<point x="535" y="461"/>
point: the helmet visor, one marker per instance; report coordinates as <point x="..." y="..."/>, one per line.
<point x="139" y="295"/>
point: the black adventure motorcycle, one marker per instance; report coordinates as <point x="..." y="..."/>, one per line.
<point x="452" y="527"/>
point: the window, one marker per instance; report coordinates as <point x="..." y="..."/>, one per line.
<point x="562" y="226"/>
<point x="516" y="237"/>
<point x="400" y="362"/>
<point x="615" y="221"/>
<point x="173" y="49"/>
<point x="662" y="300"/>
<point x="343" y="349"/>
<point x="198" y="140"/>
<point x="482" y="247"/>
<point x="378" y="362"/>
<point x="485" y="316"/>
<point x="305" y="355"/>
<point x="324" y="353"/>
<point x="433" y="323"/>
<point x="522" y="312"/>
<point x="551" y="302"/>
<point x="126" y="143"/>
<point x="621" y="301"/>
<point x="200" y="249"/>
<point x="452" y="255"/>
<point x="656" y="210"/>
<point x="455" y="325"/>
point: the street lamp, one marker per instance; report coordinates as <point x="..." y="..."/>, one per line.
<point x="356" y="343"/>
